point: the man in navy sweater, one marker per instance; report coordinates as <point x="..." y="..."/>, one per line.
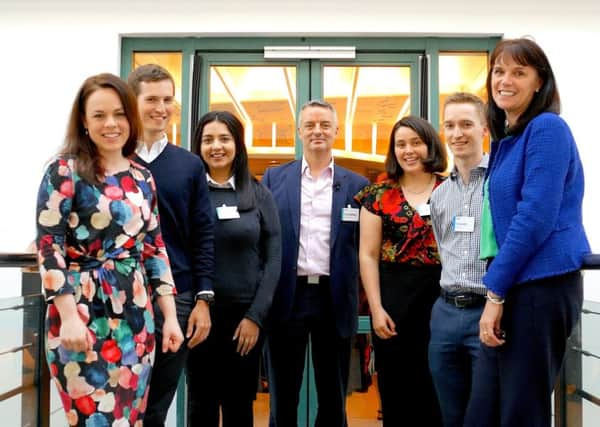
<point x="187" y="228"/>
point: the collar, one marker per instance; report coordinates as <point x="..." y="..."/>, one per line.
<point x="157" y="146"/>
<point x="230" y="183"/>
<point x="483" y="164"/>
<point x="306" y="167"/>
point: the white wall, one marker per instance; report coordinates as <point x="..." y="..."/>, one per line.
<point x="49" y="47"/>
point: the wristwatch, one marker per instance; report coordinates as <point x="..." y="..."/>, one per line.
<point x="208" y="297"/>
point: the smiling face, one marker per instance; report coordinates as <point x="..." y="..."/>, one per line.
<point x="464" y="130"/>
<point x="513" y="86"/>
<point x="217" y="148"/>
<point x="106" y="121"/>
<point x="410" y="150"/>
<point x="156" y="104"/>
<point x="317" y="129"/>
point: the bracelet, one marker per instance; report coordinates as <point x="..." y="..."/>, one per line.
<point x="494" y="299"/>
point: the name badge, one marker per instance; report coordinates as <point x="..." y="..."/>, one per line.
<point x="227" y="212"/>
<point x="463" y="224"/>
<point x="350" y="214"/>
<point x="424" y="209"/>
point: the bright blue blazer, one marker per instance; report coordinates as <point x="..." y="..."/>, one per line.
<point x="284" y="183"/>
<point x="536" y="191"/>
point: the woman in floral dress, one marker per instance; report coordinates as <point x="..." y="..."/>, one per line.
<point x="101" y="257"/>
<point x="400" y="270"/>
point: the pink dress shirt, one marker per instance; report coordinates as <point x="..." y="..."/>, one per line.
<point x="315" y="221"/>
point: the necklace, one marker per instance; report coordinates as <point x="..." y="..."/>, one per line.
<point x="427" y="186"/>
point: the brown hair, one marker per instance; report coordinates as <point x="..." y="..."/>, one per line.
<point x="467" y="98"/>
<point x="524" y="52"/>
<point x="436" y="160"/>
<point x="77" y="141"/>
<point x="148" y="73"/>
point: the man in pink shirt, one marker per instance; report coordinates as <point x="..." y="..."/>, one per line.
<point x="318" y="287"/>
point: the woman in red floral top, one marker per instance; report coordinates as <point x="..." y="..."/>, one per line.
<point x="400" y="270"/>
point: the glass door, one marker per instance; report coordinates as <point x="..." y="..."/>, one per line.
<point x="263" y="95"/>
<point x="370" y="93"/>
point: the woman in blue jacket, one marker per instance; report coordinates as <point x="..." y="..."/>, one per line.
<point x="533" y="238"/>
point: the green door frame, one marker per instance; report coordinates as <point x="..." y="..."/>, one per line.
<point x="249" y="50"/>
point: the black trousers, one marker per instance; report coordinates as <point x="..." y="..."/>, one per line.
<point x="513" y="383"/>
<point x="312" y="316"/>
<point x="219" y="378"/>
<point x="168" y="366"/>
<point x="406" y="389"/>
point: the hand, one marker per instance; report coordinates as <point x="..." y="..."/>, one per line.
<point x="74" y="334"/>
<point x="490" y="332"/>
<point x="247" y="335"/>
<point x="383" y="325"/>
<point x="172" y="336"/>
<point x="198" y="324"/>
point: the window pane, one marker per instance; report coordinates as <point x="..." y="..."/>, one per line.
<point x="172" y="61"/>
<point x="368" y="100"/>
<point x="463" y="72"/>
<point x="263" y="98"/>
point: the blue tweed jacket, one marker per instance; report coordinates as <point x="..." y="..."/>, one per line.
<point x="536" y="190"/>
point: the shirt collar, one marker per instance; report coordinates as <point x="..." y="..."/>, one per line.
<point x="306" y="168"/>
<point x="483" y="164"/>
<point x="157" y="146"/>
<point x="230" y="183"/>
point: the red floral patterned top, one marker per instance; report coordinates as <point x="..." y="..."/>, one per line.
<point x="406" y="236"/>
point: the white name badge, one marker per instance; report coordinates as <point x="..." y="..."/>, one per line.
<point x="463" y="224"/>
<point x="350" y="214"/>
<point x="424" y="209"/>
<point x="227" y="212"/>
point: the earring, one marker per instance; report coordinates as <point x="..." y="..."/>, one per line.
<point x="86" y="131"/>
<point x="537" y="90"/>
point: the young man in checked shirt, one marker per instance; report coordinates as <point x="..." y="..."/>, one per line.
<point x="455" y="211"/>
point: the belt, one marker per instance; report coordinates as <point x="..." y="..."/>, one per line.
<point x="312" y="280"/>
<point x="462" y="299"/>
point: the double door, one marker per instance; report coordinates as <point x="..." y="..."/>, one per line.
<point x="369" y="92"/>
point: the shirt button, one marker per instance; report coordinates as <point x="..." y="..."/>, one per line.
<point x="466" y="206"/>
<point x="466" y="252"/>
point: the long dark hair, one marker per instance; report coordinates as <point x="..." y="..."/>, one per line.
<point x="239" y="167"/>
<point x="436" y="160"/>
<point x="78" y="143"/>
<point x="524" y="52"/>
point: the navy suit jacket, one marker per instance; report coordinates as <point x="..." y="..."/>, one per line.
<point x="285" y="185"/>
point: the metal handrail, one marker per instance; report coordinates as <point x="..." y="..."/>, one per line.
<point x="586" y="311"/>
<point x="584" y="352"/>
<point x="587" y="396"/>
<point x="14" y="259"/>
<point x="35" y="385"/>
<point x="15" y="350"/>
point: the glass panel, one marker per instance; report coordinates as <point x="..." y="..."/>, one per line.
<point x="263" y="98"/>
<point x="462" y="72"/>
<point x="368" y="100"/>
<point x="172" y="61"/>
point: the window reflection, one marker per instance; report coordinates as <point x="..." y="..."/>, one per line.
<point x="172" y="62"/>
<point x="263" y="98"/>
<point x="368" y="100"/>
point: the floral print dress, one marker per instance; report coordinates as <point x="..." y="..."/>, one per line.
<point x="102" y="244"/>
